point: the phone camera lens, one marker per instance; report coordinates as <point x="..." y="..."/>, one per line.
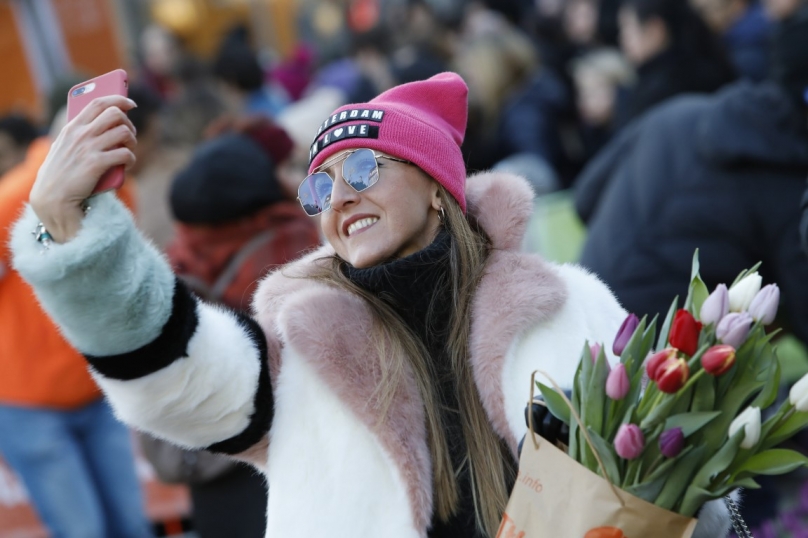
<point x="79" y="91"/>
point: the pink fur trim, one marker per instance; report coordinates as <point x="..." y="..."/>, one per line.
<point x="517" y="292"/>
<point x="329" y="328"/>
<point x="502" y="204"/>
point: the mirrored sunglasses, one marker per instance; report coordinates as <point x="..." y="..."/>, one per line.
<point x="360" y="170"/>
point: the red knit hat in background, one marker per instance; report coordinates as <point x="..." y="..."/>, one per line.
<point x="423" y="122"/>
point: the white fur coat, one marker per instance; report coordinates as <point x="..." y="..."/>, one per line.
<point x="331" y="467"/>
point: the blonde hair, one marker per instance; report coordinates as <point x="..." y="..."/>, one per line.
<point x="607" y="63"/>
<point x="490" y="463"/>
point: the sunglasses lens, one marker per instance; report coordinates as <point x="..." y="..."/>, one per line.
<point x="315" y="193"/>
<point x="360" y="169"/>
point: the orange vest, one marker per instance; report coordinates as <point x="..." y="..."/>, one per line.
<point x="38" y="368"/>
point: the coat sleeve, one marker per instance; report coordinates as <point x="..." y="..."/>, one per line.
<point x="169" y="364"/>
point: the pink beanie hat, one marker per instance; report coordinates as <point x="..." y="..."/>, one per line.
<point x="423" y="122"/>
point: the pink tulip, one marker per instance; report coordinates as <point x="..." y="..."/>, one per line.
<point x="594" y="349"/>
<point x="617" y="384"/>
<point x="629" y="441"/>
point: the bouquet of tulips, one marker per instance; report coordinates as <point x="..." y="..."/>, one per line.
<point x="678" y="421"/>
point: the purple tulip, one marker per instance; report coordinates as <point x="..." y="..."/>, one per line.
<point x="629" y="441"/>
<point x="671" y="442"/>
<point x="716" y="306"/>
<point x="624" y="334"/>
<point x="734" y="328"/>
<point x="617" y="384"/>
<point x="764" y="305"/>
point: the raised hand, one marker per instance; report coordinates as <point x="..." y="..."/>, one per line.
<point x="100" y="137"/>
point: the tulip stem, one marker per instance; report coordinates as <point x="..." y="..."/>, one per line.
<point x="652" y="467"/>
<point x="690" y="382"/>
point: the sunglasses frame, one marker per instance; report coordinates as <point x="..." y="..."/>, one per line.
<point x="342" y="158"/>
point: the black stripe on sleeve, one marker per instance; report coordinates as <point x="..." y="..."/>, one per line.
<point x="261" y="419"/>
<point x="170" y="345"/>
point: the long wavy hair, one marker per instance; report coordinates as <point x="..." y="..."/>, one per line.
<point x="488" y="459"/>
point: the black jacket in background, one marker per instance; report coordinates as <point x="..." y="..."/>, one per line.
<point x="671" y="73"/>
<point x="722" y="173"/>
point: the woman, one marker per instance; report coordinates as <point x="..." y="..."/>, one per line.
<point x="380" y="384"/>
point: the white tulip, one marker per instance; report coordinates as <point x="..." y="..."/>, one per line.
<point x="798" y="395"/>
<point x="749" y="420"/>
<point x="742" y="293"/>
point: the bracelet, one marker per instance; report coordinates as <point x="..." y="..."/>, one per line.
<point x="42" y="235"/>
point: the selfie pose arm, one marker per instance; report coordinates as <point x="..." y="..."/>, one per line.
<point x="169" y="364"/>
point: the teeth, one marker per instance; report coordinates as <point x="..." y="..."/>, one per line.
<point x="358" y="225"/>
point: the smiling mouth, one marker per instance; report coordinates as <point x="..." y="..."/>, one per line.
<point x="361" y="224"/>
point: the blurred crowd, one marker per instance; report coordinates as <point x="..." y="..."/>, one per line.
<point x="673" y="125"/>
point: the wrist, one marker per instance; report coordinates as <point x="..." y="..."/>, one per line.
<point x="63" y="223"/>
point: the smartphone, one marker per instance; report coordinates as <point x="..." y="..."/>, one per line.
<point x="112" y="83"/>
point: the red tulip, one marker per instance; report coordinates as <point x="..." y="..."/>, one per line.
<point x="718" y="359"/>
<point x="685" y="332"/>
<point x="672" y="375"/>
<point x="655" y="360"/>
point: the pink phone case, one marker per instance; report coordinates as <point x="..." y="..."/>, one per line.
<point x="112" y="83"/>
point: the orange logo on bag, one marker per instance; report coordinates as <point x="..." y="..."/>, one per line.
<point x="508" y="529"/>
<point x="605" y="532"/>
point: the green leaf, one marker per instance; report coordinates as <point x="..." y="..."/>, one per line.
<point x="771" y="388"/>
<point x="555" y="403"/>
<point x="662" y="342"/>
<point x="595" y="395"/>
<point x="607" y="456"/>
<point x="679" y="478"/>
<point x="704" y="394"/>
<point x="694" y="498"/>
<point x="772" y="462"/>
<point x="659" y="412"/>
<point x="697" y="292"/>
<point x="787" y="429"/>
<point x="720" y="460"/>
<point x="691" y="422"/>
<point x="648" y="490"/>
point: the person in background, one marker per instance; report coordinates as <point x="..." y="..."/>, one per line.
<point x="16" y="134"/>
<point x="56" y="430"/>
<point x="673" y="51"/>
<point x="745" y="30"/>
<point x="720" y="173"/>
<point x="241" y="78"/>
<point x="599" y="78"/>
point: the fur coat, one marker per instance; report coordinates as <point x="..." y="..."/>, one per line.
<point x="292" y="388"/>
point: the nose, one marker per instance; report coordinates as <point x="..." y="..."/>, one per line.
<point x="342" y="194"/>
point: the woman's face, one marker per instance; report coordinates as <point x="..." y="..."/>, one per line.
<point x="395" y="217"/>
<point x="641" y="41"/>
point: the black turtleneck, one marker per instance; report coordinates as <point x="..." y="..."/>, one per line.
<point x="416" y="287"/>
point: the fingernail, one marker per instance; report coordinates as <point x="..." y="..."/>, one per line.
<point x="134" y="105"/>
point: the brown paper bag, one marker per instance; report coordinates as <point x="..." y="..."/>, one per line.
<point x="556" y="497"/>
